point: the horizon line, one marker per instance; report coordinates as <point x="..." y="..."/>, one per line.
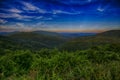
<point x="67" y="31"/>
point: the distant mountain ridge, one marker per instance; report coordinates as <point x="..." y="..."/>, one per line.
<point x="114" y="33"/>
<point x="38" y="32"/>
<point x="48" y="33"/>
<point x="104" y="38"/>
<point x="32" y="40"/>
<point x="110" y="33"/>
<point x="43" y="39"/>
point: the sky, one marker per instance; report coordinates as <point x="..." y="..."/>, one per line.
<point x="59" y="15"/>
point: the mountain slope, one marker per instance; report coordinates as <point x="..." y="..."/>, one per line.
<point x="105" y="38"/>
<point x="33" y="40"/>
<point x="37" y="40"/>
<point x="42" y="39"/>
<point x="47" y="33"/>
<point x="111" y="33"/>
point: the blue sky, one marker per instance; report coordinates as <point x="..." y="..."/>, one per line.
<point x="59" y="15"/>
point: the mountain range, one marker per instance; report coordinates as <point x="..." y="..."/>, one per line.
<point x="36" y="40"/>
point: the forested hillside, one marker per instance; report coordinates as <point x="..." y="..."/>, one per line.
<point x="111" y="37"/>
<point x="24" y="57"/>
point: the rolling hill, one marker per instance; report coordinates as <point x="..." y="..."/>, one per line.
<point x="105" y="38"/>
<point x="42" y="39"/>
<point x="110" y="33"/>
<point x="33" y="40"/>
<point x="24" y="54"/>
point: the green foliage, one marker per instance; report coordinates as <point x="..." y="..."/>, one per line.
<point x="6" y="66"/>
<point x="97" y="63"/>
<point x="32" y="57"/>
<point x="23" y="59"/>
<point x="15" y="63"/>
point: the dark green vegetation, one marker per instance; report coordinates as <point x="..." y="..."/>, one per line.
<point x="31" y="40"/>
<point x="23" y="57"/>
<point x="109" y="37"/>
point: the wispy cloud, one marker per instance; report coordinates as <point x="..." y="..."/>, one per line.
<point x="50" y="18"/>
<point x="103" y="8"/>
<point x="15" y="15"/>
<point x="64" y="12"/>
<point x="5" y="28"/>
<point x="2" y="21"/>
<point x="39" y="17"/>
<point x="22" y="17"/>
<point x="14" y="10"/>
<point x="41" y="26"/>
<point x="19" y="26"/>
<point x="100" y="9"/>
<point x="43" y="18"/>
<point x="31" y="7"/>
<point x="15" y="27"/>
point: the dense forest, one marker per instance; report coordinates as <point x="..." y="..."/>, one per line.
<point x="39" y="56"/>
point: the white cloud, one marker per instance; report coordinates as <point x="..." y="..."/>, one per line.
<point x="5" y="29"/>
<point x="20" y="25"/>
<point x="64" y="12"/>
<point x="48" y="18"/>
<point x="25" y="27"/>
<point x="39" y="24"/>
<point x="14" y="10"/>
<point x="100" y="9"/>
<point x="31" y="7"/>
<point x="60" y="11"/>
<point x="39" y="17"/>
<point x="22" y="17"/>
<point x="15" y="15"/>
<point x="18" y="16"/>
<point x="2" y="21"/>
<point x="44" y="18"/>
<point x="103" y="8"/>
